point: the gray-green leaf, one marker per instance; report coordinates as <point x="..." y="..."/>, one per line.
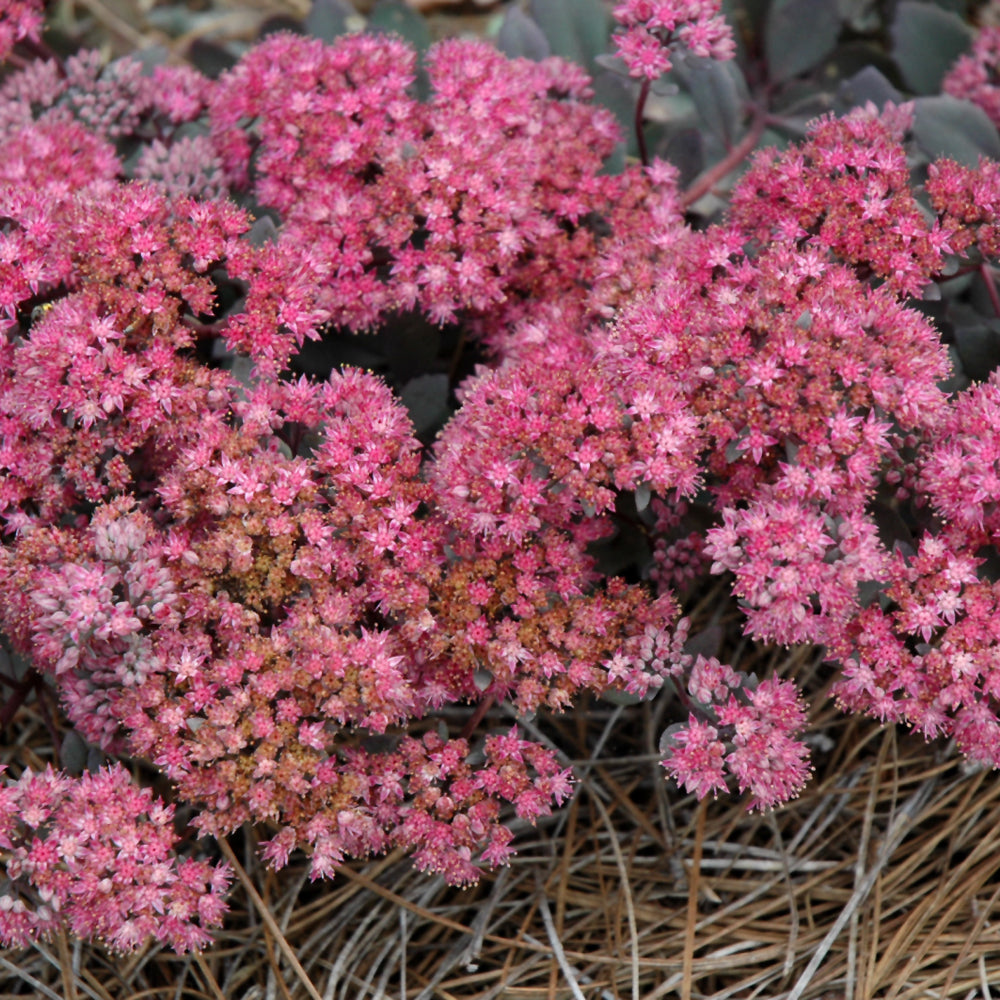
<point x="329" y="19"/>
<point x="394" y="17"/>
<point x="926" y="42"/>
<point x="575" y="29"/>
<point x="946" y="126"/>
<point x="520" y="36"/>
<point x="798" y="35"/>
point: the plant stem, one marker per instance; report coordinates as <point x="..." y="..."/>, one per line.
<point x="703" y="184"/>
<point x="986" y="273"/>
<point x="640" y="135"/>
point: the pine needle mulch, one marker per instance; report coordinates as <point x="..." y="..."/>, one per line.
<point x="879" y="881"/>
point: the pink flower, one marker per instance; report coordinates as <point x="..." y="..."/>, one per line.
<point x="643" y="53"/>
<point x="697" y="759"/>
<point x="264" y="585"/>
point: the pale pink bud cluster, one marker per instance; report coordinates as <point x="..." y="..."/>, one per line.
<point x="93" y="619"/>
<point x="188" y="166"/>
<point x="114" y="100"/>
<point x="94" y="855"/>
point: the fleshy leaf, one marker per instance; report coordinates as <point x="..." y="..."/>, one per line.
<point x="926" y="42"/>
<point x="946" y="126"/>
<point x="393" y="17"/>
<point x="867" y="85"/>
<point x="575" y="29"/>
<point x="720" y="95"/>
<point x="426" y="399"/>
<point x="73" y="753"/>
<point x="798" y="35"/>
<point x="520" y="36"/>
<point x="328" y="19"/>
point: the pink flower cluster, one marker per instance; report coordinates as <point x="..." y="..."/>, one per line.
<point x="19" y="19"/>
<point x="679" y="557"/>
<point x="846" y="190"/>
<point x="762" y="722"/>
<point x="654" y="28"/>
<point x="911" y="630"/>
<point x="801" y="388"/>
<point x="969" y="201"/>
<point x="95" y="856"/>
<point x="274" y="606"/>
<point x="265" y="587"/>
<point x="927" y="653"/>
<point x="479" y="203"/>
<point x="975" y="76"/>
<point x="428" y="799"/>
<point x="237" y="581"/>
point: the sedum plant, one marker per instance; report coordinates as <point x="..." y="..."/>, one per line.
<point x="234" y="555"/>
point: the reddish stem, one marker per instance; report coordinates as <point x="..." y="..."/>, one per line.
<point x="17" y="697"/>
<point x="640" y="135"/>
<point x="986" y="273"/>
<point x="703" y="184"/>
<point x="477" y="716"/>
